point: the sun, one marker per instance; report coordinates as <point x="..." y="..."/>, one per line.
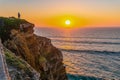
<point x="67" y="22"/>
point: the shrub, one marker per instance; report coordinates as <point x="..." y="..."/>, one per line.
<point x="9" y="24"/>
<point x="12" y="60"/>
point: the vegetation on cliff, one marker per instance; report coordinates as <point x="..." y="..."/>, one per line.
<point x="7" y="24"/>
<point x="18" y="68"/>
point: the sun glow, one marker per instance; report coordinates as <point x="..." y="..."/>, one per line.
<point x="64" y="21"/>
<point x="67" y="22"/>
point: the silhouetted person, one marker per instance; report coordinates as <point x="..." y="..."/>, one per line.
<point x="1" y="22"/>
<point x="19" y="15"/>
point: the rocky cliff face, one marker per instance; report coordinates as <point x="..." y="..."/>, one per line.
<point x="37" y="51"/>
<point x="18" y="68"/>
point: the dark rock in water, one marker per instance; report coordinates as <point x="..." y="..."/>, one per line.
<point x="78" y="77"/>
<point x="37" y="51"/>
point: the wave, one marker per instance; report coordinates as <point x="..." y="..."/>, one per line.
<point x="90" y="51"/>
<point x="83" y="37"/>
<point x="89" y="42"/>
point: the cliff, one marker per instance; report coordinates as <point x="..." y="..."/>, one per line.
<point x="17" y="36"/>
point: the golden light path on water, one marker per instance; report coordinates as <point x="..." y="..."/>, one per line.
<point x="83" y="63"/>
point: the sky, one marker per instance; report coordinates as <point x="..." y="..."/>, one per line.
<point x="54" y="13"/>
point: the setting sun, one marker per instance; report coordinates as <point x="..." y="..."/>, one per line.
<point x="67" y="22"/>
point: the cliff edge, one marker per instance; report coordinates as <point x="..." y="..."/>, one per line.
<point x="17" y="36"/>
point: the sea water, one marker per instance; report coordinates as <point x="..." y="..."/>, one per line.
<point x="89" y="53"/>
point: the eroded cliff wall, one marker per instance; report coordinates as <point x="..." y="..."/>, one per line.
<point x="36" y="50"/>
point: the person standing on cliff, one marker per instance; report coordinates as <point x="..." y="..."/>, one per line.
<point x="19" y="15"/>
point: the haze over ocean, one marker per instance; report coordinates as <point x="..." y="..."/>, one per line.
<point x="87" y="52"/>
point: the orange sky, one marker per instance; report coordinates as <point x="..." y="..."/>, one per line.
<point x="53" y="13"/>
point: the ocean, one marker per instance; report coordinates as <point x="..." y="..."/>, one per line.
<point x="89" y="53"/>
